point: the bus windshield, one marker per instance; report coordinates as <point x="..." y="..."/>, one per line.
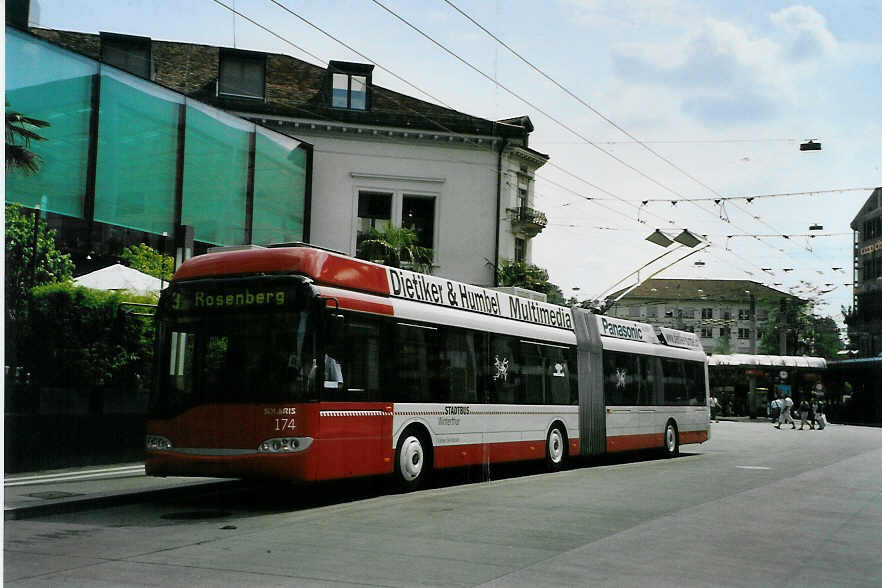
<point x="234" y="356"/>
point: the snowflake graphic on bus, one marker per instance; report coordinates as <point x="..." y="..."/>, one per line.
<point x="501" y="369"/>
<point x="620" y="378"/>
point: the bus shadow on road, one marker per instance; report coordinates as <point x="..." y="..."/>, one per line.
<point x="256" y="498"/>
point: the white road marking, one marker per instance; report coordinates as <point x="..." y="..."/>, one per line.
<point x="753" y="467"/>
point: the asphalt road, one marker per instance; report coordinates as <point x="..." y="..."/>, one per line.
<point x="755" y="506"/>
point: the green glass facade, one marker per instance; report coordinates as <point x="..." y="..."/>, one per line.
<point x="137" y="155"/>
<point x="127" y="153"/>
<point x="53" y="85"/>
<point x="216" y="175"/>
<point x="279" y="185"/>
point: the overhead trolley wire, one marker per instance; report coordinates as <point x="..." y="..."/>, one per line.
<point x="578" y="99"/>
<point x="320" y="60"/>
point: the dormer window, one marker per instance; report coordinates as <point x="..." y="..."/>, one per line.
<point x="350" y="85"/>
<point x="349" y="92"/>
<point x="128" y="53"/>
<point x="241" y="74"/>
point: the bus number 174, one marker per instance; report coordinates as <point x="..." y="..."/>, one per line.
<point x="282" y="424"/>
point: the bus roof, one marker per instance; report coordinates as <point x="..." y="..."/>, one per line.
<point x="332" y="269"/>
<point x="336" y="270"/>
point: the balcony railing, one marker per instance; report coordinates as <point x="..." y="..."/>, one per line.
<point x="527" y="221"/>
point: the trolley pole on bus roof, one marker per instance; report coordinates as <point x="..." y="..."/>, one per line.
<point x="685" y="239"/>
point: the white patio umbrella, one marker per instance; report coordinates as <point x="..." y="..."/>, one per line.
<point x="120" y="277"/>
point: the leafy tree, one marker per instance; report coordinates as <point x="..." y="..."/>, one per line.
<point x="723" y="345"/>
<point x="395" y="247"/>
<point x="22" y="272"/>
<point x="529" y="276"/>
<point x="803" y="332"/>
<point x="146" y="259"/>
<point x="19" y="135"/>
<point x="823" y="338"/>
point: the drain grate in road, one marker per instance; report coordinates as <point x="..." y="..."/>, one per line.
<point x="195" y="515"/>
<point x="53" y="495"/>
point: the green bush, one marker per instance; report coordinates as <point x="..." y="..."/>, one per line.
<point x="82" y="338"/>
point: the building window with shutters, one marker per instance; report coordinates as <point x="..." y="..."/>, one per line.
<point x="241" y="74"/>
<point x="128" y="53"/>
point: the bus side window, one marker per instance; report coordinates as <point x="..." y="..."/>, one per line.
<point x="648" y="391"/>
<point x="362" y="366"/>
<point x="621" y="378"/>
<point x="695" y="383"/>
<point x="504" y="371"/>
<point x="416" y="373"/>
<point x="558" y="372"/>
<point x="534" y="374"/>
<point x="460" y="359"/>
<point x="573" y="360"/>
<point x="674" y="380"/>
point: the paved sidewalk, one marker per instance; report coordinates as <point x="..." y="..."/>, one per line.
<point x="37" y="493"/>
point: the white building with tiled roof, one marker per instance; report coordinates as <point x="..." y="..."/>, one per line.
<point x="729" y="316"/>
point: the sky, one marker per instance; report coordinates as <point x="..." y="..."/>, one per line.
<point x="643" y="106"/>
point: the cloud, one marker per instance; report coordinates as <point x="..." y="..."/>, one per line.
<point x="805" y="29"/>
<point x="724" y="73"/>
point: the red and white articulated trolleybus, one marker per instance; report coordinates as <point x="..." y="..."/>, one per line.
<point x="297" y="363"/>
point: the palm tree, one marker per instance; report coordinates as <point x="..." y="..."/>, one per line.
<point x="19" y="156"/>
<point x="395" y="247"/>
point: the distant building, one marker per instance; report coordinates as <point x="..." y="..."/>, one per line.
<point x="729" y="316"/>
<point x="865" y="320"/>
<point x="377" y="157"/>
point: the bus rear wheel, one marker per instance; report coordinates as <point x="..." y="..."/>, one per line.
<point x="672" y="440"/>
<point x="555" y="448"/>
<point x="413" y="461"/>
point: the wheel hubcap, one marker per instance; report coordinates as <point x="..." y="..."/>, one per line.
<point x="411" y="459"/>
<point x="555" y="446"/>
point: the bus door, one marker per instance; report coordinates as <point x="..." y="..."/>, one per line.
<point x="592" y="405"/>
<point x="355" y="429"/>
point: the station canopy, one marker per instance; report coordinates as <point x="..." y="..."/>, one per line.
<point x="745" y="359"/>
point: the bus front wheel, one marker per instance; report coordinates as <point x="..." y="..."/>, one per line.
<point x="555" y="448"/>
<point x="413" y="460"/>
<point x="672" y="440"/>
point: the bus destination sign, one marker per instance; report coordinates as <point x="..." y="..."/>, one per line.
<point x="240" y="298"/>
<point x="443" y="292"/>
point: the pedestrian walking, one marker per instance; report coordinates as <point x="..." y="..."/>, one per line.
<point x="821" y="417"/>
<point x="714" y="408"/>
<point x="775" y="408"/>
<point x="804" y="409"/>
<point x="785" y="413"/>
<point x="813" y="412"/>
